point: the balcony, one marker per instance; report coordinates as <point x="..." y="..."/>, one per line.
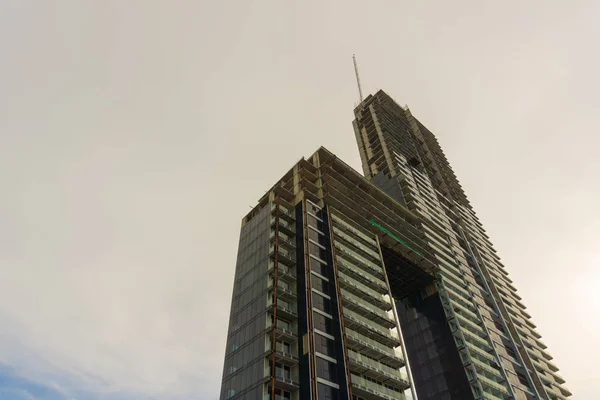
<point x="372" y="391"/>
<point x="559" y="379"/>
<point x="284" y="292"/>
<point x="378" y="371"/>
<point x="356" y="259"/>
<point x="481" y="353"/>
<point x="362" y="248"/>
<point x="459" y="296"/>
<point x="467" y="323"/>
<point x="374" y="349"/>
<point x="340" y="223"/>
<point x="476" y="340"/>
<point x="495" y="386"/>
<point x="489" y="396"/>
<point x="284" y="333"/>
<point x="284" y="241"/>
<point x="286" y="382"/>
<point x="362" y="306"/>
<point x="286" y="358"/>
<point x="285" y="227"/>
<point x="284" y="256"/>
<point x="286" y="311"/>
<point x="367" y="327"/>
<point x="461" y="307"/>
<point x="374" y="283"/>
<point x="287" y="215"/>
<point x="277" y="397"/>
<point x="452" y="274"/>
<point x="554" y="391"/>
<point x="363" y="291"/>
<point x="284" y="273"/>
<point x="487" y="369"/>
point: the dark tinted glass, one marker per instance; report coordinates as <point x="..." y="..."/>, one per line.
<point x="317" y="251"/>
<point x="321" y="303"/>
<point x="324" y="345"/>
<point x="318" y="267"/>
<point x="319" y="284"/>
<point x="327" y="392"/>
<point x="314" y="235"/>
<point x="312" y="221"/>
<point x="322" y="323"/>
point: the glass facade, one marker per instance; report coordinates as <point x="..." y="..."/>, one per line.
<point x="246" y="342"/>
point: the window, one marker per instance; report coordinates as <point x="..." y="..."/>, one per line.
<point x="313" y="208"/>
<point x="283" y="304"/>
<point x="326" y="392"/>
<point x="326" y="369"/>
<point x="317" y="251"/>
<point x="318" y="267"/>
<point x="499" y="327"/>
<point x="319" y="284"/>
<point x="324" y="345"/>
<point x="522" y="379"/>
<point x="281" y="394"/>
<point x="322" y="323"/>
<point x="511" y="352"/>
<point x="316" y="223"/>
<point x="314" y="234"/>
<point x="284" y="347"/>
<point x="282" y="324"/>
<point x="283" y="371"/>
<point x="321" y="303"/>
<point x="230" y="393"/>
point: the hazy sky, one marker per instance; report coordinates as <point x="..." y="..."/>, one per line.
<point x="135" y="135"/>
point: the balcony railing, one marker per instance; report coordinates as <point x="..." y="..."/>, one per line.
<point x="284" y="226"/>
<point x="371" y="280"/>
<point x="492" y="384"/>
<point x="364" y="290"/>
<point x="284" y="256"/>
<point x="383" y="317"/>
<point x="277" y="397"/>
<point x="379" y="368"/>
<point x="346" y="237"/>
<point x="376" y="389"/>
<point x="291" y="380"/>
<point x="359" y="260"/>
<point x="368" y="324"/>
<point x="286" y="310"/>
<point x="340" y="222"/>
<point x="487" y="368"/>
<point x="283" y="239"/>
<point x="284" y="291"/>
<point x="281" y="332"/>
<point x="366" y="341"/>
<point x="476" y="340"/>
<point x="286" y="357"/>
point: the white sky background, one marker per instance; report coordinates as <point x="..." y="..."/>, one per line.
<point x="134" y="136"/>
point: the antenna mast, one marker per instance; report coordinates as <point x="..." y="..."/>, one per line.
<point x="357" y="78"/>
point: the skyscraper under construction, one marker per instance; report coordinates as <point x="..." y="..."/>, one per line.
<point x="382" y="286"/>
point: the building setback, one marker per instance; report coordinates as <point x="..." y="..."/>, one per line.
<point x="381" y="287"/>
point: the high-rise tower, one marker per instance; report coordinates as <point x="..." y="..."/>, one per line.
<point x="501" y="353"/>
<point x="378" y="287"/>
